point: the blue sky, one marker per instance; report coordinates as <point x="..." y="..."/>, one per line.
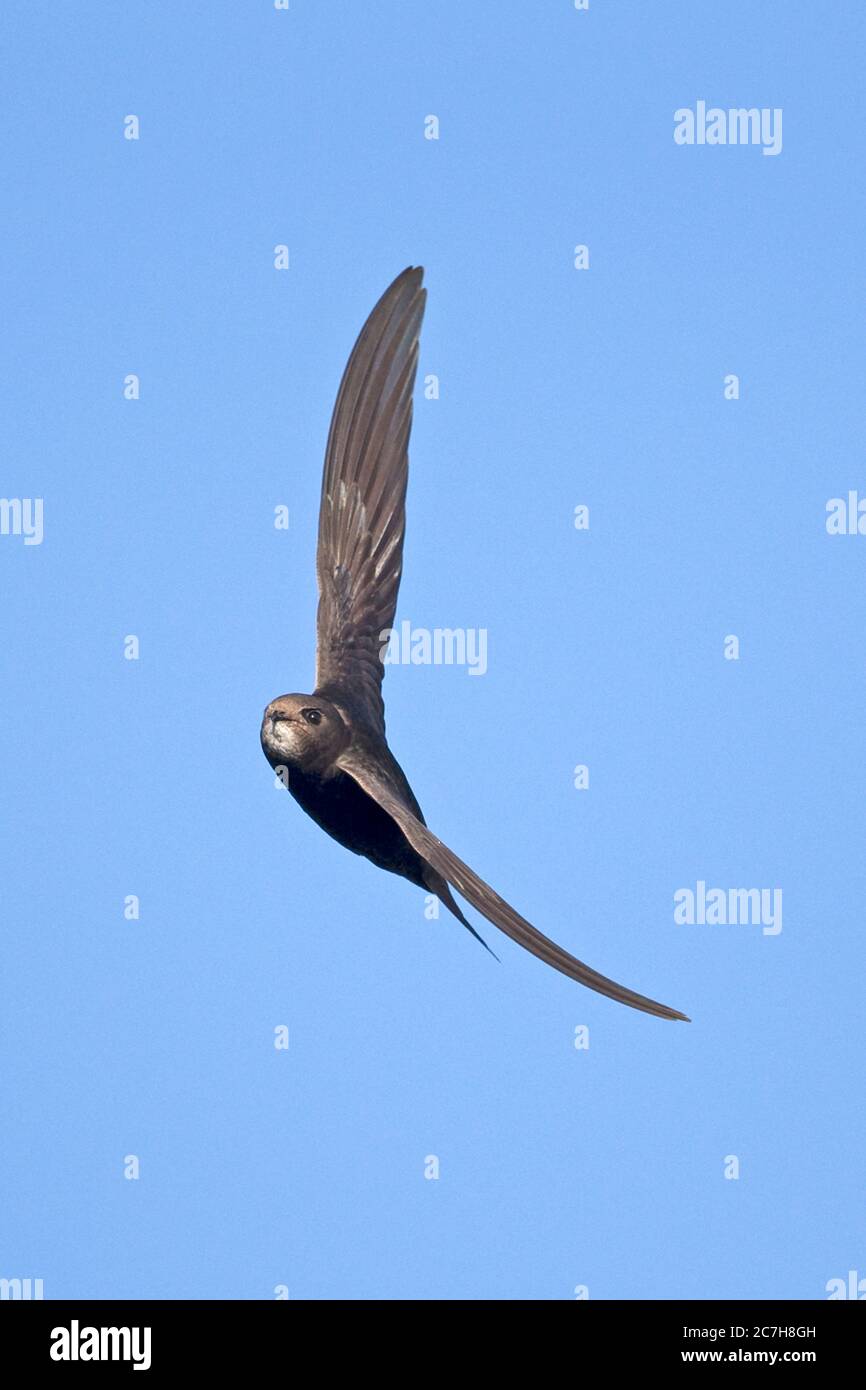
<point x="601" y="1168"/>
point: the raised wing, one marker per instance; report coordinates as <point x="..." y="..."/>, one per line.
<point x="362" y="514"/>
<point x="482" y="897"/>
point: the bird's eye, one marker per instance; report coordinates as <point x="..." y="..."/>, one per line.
<point x="312" y="716"/>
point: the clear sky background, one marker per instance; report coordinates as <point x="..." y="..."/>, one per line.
<point x="559" y="1167"/>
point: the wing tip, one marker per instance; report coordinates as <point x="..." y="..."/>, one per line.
<point x="412" y="275"/>
<point x="651" y="1006"/>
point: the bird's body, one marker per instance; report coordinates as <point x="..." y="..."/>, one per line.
<point x="344" y="810"/>
<point x="330" y="747"/>
<point x="339" y="804"/>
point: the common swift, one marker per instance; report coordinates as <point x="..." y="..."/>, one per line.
<point x="330" y="747"/>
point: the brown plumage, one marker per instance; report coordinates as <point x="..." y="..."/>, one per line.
<point x="331" y="746"/>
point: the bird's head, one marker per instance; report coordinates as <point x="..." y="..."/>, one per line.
<point x="303" y="731"/>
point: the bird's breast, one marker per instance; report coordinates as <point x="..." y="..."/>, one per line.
<point x="345" y="812"/>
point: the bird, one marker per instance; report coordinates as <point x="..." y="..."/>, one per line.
<point x="329" y="748"/>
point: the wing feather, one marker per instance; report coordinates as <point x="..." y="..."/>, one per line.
<point x="362" y="512"/>
<point x="482" y="897"/>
